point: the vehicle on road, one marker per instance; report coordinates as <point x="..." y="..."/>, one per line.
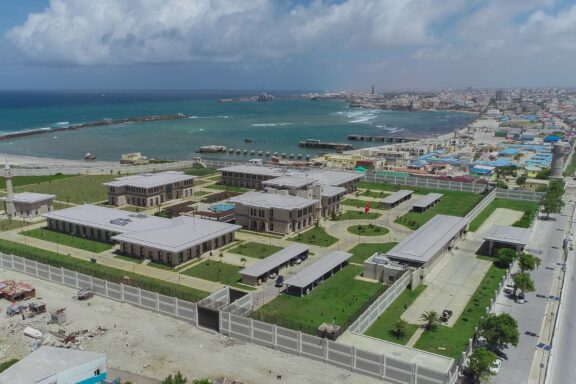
<point x="495" y="368"/>
<point x="279" y="281"/>
<point x="84" y="294"/>
<point x="520" y="298"/>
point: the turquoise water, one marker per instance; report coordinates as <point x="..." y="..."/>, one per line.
<point x="275" y="126"/>
<point x="217" y="208"/>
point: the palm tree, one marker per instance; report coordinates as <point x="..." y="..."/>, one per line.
<point x="431" y="318"/>
<point x="399" y="328"/>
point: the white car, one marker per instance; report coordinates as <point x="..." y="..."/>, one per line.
<point x="495" y="368"/>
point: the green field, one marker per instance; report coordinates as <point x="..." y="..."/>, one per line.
<point x="229" y="188"/>
<point x="528" y="207"/>
<point x="571" y="167"/>
<point x="340" y="299"/>
<point x="218" y="272"/>
<point x="357" y="215"/>
<point x="128" y="258"/>
<point x="357" y="203"/>
<point x="384" y="325"/>
<point x="6" y="225"/>
<point x="68" y="240"/>
<point x="101" y="271"/>
<point x="380" y="194"/>
<point x="257" y="250"/>
<point x="78" y="190"/>
<point x="315" y="236"/>
<point x="368" y="230"/>
<point x="361" y="252"/>
<point x="18" y="181"/>
<point x="451" y="341"/>
<point x="200" y="171"/>
<point x="453" y="203"/>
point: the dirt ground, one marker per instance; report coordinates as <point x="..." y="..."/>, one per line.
<point x="153" y="345"/>
<point x="502" y="216"/>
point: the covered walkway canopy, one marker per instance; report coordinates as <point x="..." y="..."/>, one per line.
<point x="396" y="198"/>
<point x="304" y="281"/>
<point x="504" y="236"/>
<point x="261" y="269"/>
<point x="428" y="201"/>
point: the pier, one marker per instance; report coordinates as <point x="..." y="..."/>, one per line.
<point x="311" y="143"/>
<point x="382" y="139"/>
<point x="92" y="124"/>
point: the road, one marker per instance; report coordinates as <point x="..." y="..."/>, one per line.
<point x="562" y="365"/>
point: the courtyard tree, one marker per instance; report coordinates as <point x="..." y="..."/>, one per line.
<point x="178" y="378"/>
<point x="499" y="330"/>
<point x="481" y="360"/>
<point x="523" y="281"/>
<point x="431" y="318"/>
<point x="528" y="262"/>
<point x="505" y="257"/>
<point x="400" y="328"/>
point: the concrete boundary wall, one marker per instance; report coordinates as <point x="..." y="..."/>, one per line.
<point x="426" y="183"/>
<point x="243" y="306"/>
<point x="480" y="206"/>
<point x="216" y="300"/>
<point x="167" y="305"/>
<point x="370" y="315"/>
<point x="518" y="194"/>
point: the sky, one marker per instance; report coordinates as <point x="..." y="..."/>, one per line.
<point x="286" y="44"/>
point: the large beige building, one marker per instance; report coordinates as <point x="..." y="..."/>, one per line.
<point x="274" y="212"/>
<point x="149" y="189"/>
<point x="28" y="205"/>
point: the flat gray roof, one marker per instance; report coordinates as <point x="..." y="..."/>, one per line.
<point x="274" y="261"/>
<point x="255" y="170"/>
<point x="45" y="362"/>
<point x="30" y="197"/>
<point x="508" y="234"/>
<point x="108" y="219"/>
<point x="149" y="180"/>
<point x="329" y="190"/>
<point x="420" y="246"/>
<point x="427" y="200"/>
<point x="313" y="272"/>
<point x="289" y="181"/>
<point x="396" y="196"/>
<point x="335" y="178"/>
<point x="272" y="200"/>
<point x="182" y="233"/>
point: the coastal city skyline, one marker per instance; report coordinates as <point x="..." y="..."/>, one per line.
<point x="310" y="45"/>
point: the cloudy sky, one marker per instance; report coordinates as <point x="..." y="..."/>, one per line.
<point x="286" y="44"/>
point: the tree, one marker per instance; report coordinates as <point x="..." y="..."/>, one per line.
<point x="400" y="328"/>
<point x="243" y="260"/>
<point x="505" y="256"/>
<point x="178" y="378"/>
<point x="552" y="203"/>
<point x="431" y="318"/>
<point x="499" y="330"/>
<point x="481" y="360"/>
<point x="543" y="174"/>
<point x="521" y="180"/>
<point x="501" y="184"/>
<point x="523" y="281"/>
<point x="528" y="262"/>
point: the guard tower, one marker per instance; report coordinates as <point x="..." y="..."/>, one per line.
<point x="559" y="153"/>
<point x="9" y="202"/>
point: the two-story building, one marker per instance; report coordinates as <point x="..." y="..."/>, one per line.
<point x="149" y="189"/>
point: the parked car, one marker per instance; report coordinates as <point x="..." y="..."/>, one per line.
<point x="279" y="281"/>
<point x="496" y="367"/>
<point x="298" y="261"/>
<point x="520" y="298"/>
<point x="84" y="294"/>
<point x="446" y="315"/>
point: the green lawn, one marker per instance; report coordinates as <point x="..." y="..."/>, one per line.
<point x="361" y="252"/>
<point x="257" y="250"/>
<point x="6" y="225"/>
<point x="160" y="266"/>
<point x="571" y="167"/>
<point x="218" y="272"/>
<point x="453" y="203"/>
<point x="357" y="215"/>
<point x="384" y="325"/>
<point x="101" y="271"/>
<point x="230" y="188"/>
<point x="128" y="258"/>
<point x="315" y="236"/>
<point x="368" y="230"/>
<point x="451" y="341"/>
<point x="528" y="207"/>
<point x="18" y="181"/>
<point x="68" y="240"/>
<point x="340" y="299"/>
<point x="200" y="171"/>
<point x="78" y="190"/>
<point x="380" y="194"/>
<point x="357" y="203"/>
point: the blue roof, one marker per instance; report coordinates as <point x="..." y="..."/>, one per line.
<point x="482" y="171"/>
<point x="509" y="151"/>
<point x="551" y="138"/>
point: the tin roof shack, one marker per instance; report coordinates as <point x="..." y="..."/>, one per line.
<point x="16" y="290"/>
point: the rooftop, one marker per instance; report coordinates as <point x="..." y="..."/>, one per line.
<point x="45" y="362"/>
<point x="30" y="197"/>
<point x="396" y="196"/>
<point x="508" y="234"/>
<point x="421" y="245"/>
<point x="273" y="261"/>
<point x="329" y="190"/>
<point x="427" y="200"/>
<point x="272" y="200"/>
<point x="109" y="219"/>
<point x="313" y="272"/>
<point x="149" y="180"/>
<point x="289" y="181"/>
<point x="181" y="233"/>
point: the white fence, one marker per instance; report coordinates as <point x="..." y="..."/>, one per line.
<point x="167" y="305"/>
<point x="424" y="182"/>
<point x="518" y="194"/>
<point x="480" y="207"/>
<point x="370" y="315"/>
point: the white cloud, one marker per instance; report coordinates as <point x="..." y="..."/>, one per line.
<point x="96" y="32"/>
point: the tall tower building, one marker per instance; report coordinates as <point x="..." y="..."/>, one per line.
<point x="559" y="152"/>
<point x="9" y="202"/>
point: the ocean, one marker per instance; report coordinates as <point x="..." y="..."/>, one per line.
<point x="275" y="126"/>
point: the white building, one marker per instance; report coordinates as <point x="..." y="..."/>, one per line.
<point x="28" y="204"/>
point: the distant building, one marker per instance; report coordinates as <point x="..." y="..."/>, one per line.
<point x="51" y="365"/>
<point x="134" y="158"/>
<point x="29" y="205"/>
<point x="149" y="189"/>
